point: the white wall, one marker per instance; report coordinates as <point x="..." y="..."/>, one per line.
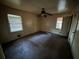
<point x="29" y="21"/>
<point x="49" y="25"/>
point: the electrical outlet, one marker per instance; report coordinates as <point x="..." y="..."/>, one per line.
<point x="19" y="35"/>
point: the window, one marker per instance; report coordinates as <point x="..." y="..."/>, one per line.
<point x="15" y="23"/>
<point x="59" y="23"/>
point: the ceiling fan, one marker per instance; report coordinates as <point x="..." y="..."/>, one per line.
<point x="44" y="13"/>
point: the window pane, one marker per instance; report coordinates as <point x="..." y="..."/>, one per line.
<point x="15" y="23"/>
<point x="59" y="22"/>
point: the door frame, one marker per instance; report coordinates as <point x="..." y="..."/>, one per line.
<point x="75" y="28"/>
<point x="74" y="32"/>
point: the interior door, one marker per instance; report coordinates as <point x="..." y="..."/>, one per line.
<point x="75" y="45"/>
<point x="73" y="29"/>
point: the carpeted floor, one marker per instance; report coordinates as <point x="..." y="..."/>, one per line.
<point x="38" y="46"/>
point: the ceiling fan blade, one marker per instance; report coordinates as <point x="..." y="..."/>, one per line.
<point x="44" y="13"/>
<point x="49" y="14"/>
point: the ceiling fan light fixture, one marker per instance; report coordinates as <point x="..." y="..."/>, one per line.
<point x="44" y="13"/>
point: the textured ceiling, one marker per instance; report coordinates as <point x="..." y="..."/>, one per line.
<point x="34" y="6"/>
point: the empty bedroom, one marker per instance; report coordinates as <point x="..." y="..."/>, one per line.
<point x="39" y="29"/>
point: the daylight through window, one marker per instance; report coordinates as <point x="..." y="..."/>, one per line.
<point x="59" y="23"/>
<point x="15" y="23"/>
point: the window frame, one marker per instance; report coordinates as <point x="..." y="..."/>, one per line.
<point x="57" y="24"/>
<point x="20" y="22"/>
